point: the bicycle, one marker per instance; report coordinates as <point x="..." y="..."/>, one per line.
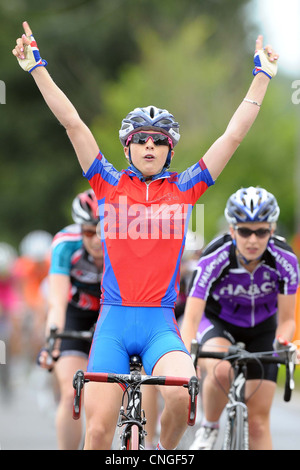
<point x="132" y="417"/>
<point x="236" y="433"/>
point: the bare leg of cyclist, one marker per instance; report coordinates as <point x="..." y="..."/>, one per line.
<point x="150" y="405"/>
<point x="69" y="432"/>
<point x="176" y="399"/>
<point x="216" y="383"/>
<point x="102" y="403"/>
<point x="259" y="407"/>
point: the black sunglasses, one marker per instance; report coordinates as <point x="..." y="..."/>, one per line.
<point x="247" y="232"/>
<point x="88" y="233"/>
<point x="142" y="137"/>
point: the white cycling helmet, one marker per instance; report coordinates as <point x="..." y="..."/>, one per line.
<point x="251" y="205"/>
<point x="8" y="256"/>
<point x="36" y="245"/>
<point x="85" y="208"/>
<point x="149" y="118"/>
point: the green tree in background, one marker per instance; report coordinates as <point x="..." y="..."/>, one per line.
<point x="202" y="90"/>
<point x="192" y="57"/>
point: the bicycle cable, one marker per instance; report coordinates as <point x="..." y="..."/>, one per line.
<point x="237" y="357"/>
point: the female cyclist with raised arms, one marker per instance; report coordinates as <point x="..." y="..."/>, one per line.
<point x="142" y="242"/>
<point x="244" y="290"/>
<point x="74" y="300"/>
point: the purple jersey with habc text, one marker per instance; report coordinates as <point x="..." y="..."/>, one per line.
<point x="234" y="294"/>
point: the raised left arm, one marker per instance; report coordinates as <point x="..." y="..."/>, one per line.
<point x="221" y="151"/>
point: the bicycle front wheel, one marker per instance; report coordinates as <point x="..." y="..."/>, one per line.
<point x="131" y="438"/>
<point x="236" y="430"/>
<point x="135" y="437"/>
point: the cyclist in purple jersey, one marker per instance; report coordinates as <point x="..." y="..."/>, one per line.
<point x="74" y="300"/>
<point x="244" y="290"/>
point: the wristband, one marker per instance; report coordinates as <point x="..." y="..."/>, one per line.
<point x="252" y="102"/>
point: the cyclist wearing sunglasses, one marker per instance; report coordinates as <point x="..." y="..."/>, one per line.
<point x="244" y="290"/>
<point x="141" y="255"/>
<point x="74" y="299"/>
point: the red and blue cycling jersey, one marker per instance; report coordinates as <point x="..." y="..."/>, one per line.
<point x="143" y="227"/>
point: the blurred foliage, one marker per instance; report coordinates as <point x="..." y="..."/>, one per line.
<point x="192" y="57"/>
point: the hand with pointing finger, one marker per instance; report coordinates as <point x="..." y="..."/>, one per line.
<point x="265" y="59"/>
<point x="27" y="52"/>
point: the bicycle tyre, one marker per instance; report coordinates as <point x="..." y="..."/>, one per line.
<point x="135" y="437"/>
<point x="236" y="429"/>
<point x="130" y="438"/>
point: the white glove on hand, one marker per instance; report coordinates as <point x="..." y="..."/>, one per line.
<point x="263" y="64"/>
<point x="32" y="56"/>
<point x="280" y="343"/>
<point x="27" y="52"/>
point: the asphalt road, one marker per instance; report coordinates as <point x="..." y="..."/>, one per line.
<point x="27" y="414"/>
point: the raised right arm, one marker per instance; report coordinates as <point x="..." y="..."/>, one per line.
<point x="81" y="137"/>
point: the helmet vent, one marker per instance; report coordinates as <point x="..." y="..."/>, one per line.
<point x="264" y="213"/>
<point x="240" y="214"/>
<point x="152" y="113"/>
<point x="138" y="119"/>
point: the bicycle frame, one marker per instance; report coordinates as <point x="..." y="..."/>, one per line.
<point x="236" y="433"/>
<point x="236" y="428"/>
<point x="134" y="420"/>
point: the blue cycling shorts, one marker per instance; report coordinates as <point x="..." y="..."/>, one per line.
<point x="122" y="331"/>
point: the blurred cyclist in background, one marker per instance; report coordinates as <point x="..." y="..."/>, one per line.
<point x="32" y="268"/>
<point x="244" y="290"/>
<point x="74" y="301"/>
<point x="10" y="309"/>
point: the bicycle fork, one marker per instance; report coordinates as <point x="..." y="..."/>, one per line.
<point x="236" y="433"/>
<point x="132" y="420"/>
<point x="237" y="429"/>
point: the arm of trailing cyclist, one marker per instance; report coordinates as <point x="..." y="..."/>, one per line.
<point x="59" y="288"/>
<point x="221" y="151"/>
<point x="192" y="315"/>
<point x="27" y="54"/>
<point x="286" y="317"/>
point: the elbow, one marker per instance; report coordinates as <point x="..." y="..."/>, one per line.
<point x="72" y="122"/>
<point x="73" y="126"/>
<point x="236" y="137"/>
